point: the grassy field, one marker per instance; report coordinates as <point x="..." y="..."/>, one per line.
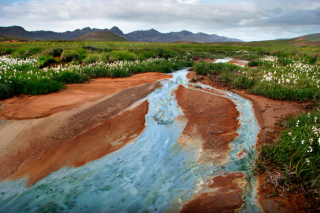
<point x="277" y="70"/>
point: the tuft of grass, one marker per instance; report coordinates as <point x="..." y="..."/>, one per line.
<point x="20" y="53"/>
<point x="33" y="50"/>
<point x="122" y="55"/>
<point x="204" y="68"/>
<point x="41" y="86"/>
<point x="54" y="52"/>
<point x="254" y="63"/>
<point x="68" y="56"/>
<point x="69" y="77"/>
<point x="167" y="53"/>
<point x="6" y="51"/>
<point x="243" y="82"/>
<point x="285" y="61"/>
<point x="46" y="60"/>
<point x="92" y="48"/>
<point x="285" y="92"/>
<point x="93" y="58"/>
<point x="308" y="59"/>
<point x="5" y="91"/>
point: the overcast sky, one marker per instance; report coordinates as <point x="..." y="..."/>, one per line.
<point x="249" y="20"/>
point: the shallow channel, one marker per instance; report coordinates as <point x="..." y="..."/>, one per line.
<point x="152" y="174"/>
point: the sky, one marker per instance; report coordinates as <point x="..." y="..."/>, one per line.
<point x="248" y="20"/>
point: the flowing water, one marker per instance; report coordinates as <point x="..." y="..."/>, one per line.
<point x="152" y="174"/>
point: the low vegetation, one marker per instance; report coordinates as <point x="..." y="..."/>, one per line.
<point x="23" y="76"/>
<point x="297" y="151"/>
<point x="297" y="80"/>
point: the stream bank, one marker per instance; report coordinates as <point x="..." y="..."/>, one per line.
<point x="269" y="114"/>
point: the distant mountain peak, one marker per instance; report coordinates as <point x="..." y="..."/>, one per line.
<point x="86" y="28"/>
<point x="115" y="28"/>
<point x="116" y="31"/>
<point x="151" y="35"/>
<point x="17" y="27"/>
<point x="185" y="32"/>
<point x="153" y="30"/>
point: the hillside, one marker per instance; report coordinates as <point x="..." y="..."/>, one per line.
<point x="310" y="40"/>
<point x="100" y="36"/>
<point x="140" y="35"/>
<point x="312" y="37"/>
<point x="12" y="38"/>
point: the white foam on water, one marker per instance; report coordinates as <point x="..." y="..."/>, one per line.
<point x="223" y="60"/>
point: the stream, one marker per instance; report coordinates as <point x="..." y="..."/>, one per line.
<point x="155" y="173"/>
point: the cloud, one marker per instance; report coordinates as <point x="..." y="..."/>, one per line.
<point x="231" y="18"/>
<point x="189" y="1"/>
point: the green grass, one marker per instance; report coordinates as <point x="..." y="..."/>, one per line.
<point x="254" y="63"/>
<point x="285" y="92"/>
<point x="68" y="77"/>
<point x="122" y="55"/>
<point x="90" y="54"/>
<point x="41" y="86"/>
<point x="298" y="149"/>
<point x="68" y="56"/>
<point x="46" y="60"/>
<point x="275" y="78"/>
<point x="204" y="68"/>
<point x="53" y="51"/>
<point x="23" y="76"/>
<point x="93" y="58"/>
<point x="5" y="91"/>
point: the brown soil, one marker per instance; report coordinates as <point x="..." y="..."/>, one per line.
<point x="210" y="117"/>
<point x="274" y="199"/>
<point x="35" y="148"/>
<point x="239" y="62"/>
<point x="224" y="195"/>
<point x="11" y="41"/>
<point x="268" y="113"/>
<point x="211" y="126"/>
<point x="305" y="43"/>
<point x="205" y="60"/>
<point x="28" y="107"/>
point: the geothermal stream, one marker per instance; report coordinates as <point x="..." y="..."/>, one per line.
<point x="155" y="173"/>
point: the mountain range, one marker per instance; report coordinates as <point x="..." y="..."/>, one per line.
<point x="139" y="36"/>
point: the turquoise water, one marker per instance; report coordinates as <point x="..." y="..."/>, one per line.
<point x="152" y="174"/>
